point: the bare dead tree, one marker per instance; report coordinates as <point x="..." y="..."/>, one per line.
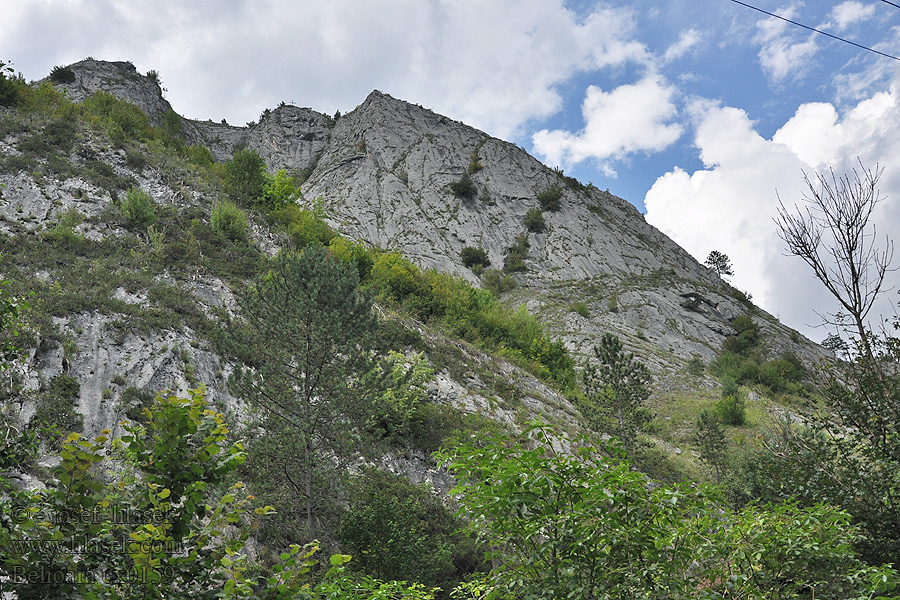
<point x="834" y="236"/>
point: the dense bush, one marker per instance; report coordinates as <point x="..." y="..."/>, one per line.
<point x="534" y="221"/>
<point x="11" y="88"/>
<point x="230" y="221"/>
<point x="280" y="190"/>
<point x="497" y="282"/>
<point x="472" y="314"/>
<point x="464" y="187"/>
<point x="474" y="258"/>
<point x="516" y="255"/>
<point x="244" y="177"/>
<point x="121" y="120"/>
<point x="138" y="208"/>
<point x="305" y="226"/>
<point x="731" y="410"/>
<point x="549" y="199"/>
<point x="746" y="338"/>
<point x="62" y="75"/>
<point x="397" y="530"/>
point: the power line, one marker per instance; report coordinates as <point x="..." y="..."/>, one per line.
<point x="840" y="39"/>
<point x="891" y="3"/>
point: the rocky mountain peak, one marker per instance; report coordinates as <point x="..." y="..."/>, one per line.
<point x="120" y="79"/>
<point x="398" y="176"/>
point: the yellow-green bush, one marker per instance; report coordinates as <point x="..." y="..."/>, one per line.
<point x="230" y="221"/>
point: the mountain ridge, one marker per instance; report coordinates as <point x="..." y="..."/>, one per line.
<point x="383" y="172"/>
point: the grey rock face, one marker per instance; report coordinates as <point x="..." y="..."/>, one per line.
<point x="120" y="79"/>
<point x="385" y="176"/>
<point x="384" y="172"/>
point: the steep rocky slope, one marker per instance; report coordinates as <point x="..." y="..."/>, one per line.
<point x="383" y="173"/>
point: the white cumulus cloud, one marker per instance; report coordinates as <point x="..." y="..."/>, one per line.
<point x="730" y="204"/>
<point x="847" y="13"/>
<point x="783" y="54"/>
<point x="636" y="117"/>
<point x="494" y="65"/>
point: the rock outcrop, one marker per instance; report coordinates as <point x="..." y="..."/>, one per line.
<point x="384" y="173"/>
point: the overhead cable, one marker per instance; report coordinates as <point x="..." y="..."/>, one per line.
<point x="840" y="39"/>
<point x="891" y="3"/>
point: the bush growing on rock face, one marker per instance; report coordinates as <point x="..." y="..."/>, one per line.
<point x="549" y="198"/>
<point x="497" y="282"/>
<point x="474" y="258"/>
<point x="464" y="188"/>
<point x="534" y="221"/>
<point x="516" y="255"/>
<point x="62" y="75"/>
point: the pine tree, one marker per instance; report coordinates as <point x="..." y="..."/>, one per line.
<point x="719" y="262"/>
<point x="710" y="439"/>
<point x="617" y="387"/>
<point x="307" y="364"/>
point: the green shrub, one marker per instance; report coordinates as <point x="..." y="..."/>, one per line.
<point x="474" y="257"/>
<point x="730" y="387"/>
<point x="63" y="233"/>
<point x="464" y="188"/>
<point x="472" y="314"/>
<point x="549" y="199"/>
<point x="395" y="277"/>
<point x="580" y="308"/>
<point x="138" y="208"/>
<point x="280" y="191"/>
<point x="230" y="221"/>
<point x="355" y="254"/>
<point x="516" y="255"/>
<point x="62" y="75"/>
<point x="497" y="282"/>
<point x="612" y="305"/>
<point x="731" y="410"/>
<point x="696" y="366"/>
<point x="397" y="530"/>
<point x="244" y="177"/>
<point x="56" y="415"/>
<point x="534" y="221"/>
<point x="747" y="336"/>
<point x="304" y="226"/>
<point x="121" y="120"/>
<point x="12" y="88"/>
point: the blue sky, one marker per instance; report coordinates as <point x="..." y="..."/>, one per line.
<point x="700" y="112"/>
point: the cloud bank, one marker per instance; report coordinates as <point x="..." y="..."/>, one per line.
<point x="493" y="65"/>
<point x="730" y="205"/>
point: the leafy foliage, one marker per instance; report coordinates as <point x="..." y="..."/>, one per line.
<point x="464" y="187"/>
<point x="230" y="221"/>
<point x="473" y="257"/>
<point x="397" y="530"/>
<point x="138" y="208"/>
<point x="244" y="177"/>
<point x="582" y="524"/>
<point x="516" y="255"/>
